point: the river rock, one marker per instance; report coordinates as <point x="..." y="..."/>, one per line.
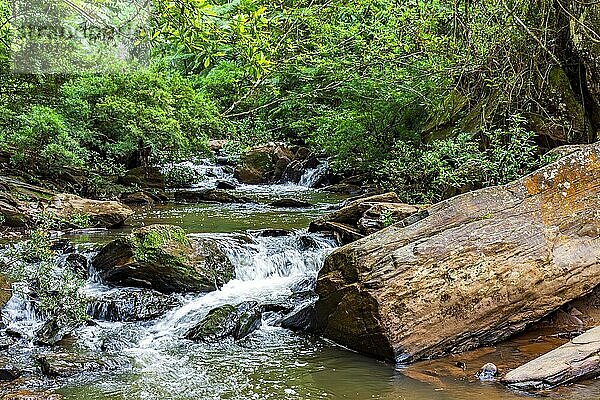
<point x="209" y="196"/>
<point x="163" y="258"/>
<point x="130" y="304"/>
<point x="227" y="321"/>
<point x="50" y="333"/>
<point x="144" y="177"/>
<point x="225" y="185"/>
<point x="579" y="359"/>
<point x="64" y="364"/>
<point x="137" y="199"/>
<point x="264" y="164"/>
<point x="361" y="217"/>
<point x="478" y="269"/>
<point x="290" y="203"/>
<point x="102" y="214"/>
<point x="5" y="289"/>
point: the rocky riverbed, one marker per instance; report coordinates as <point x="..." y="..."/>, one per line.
<point x="203" y="298"/>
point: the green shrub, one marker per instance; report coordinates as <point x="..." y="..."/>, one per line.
<point x="179" y="176"/>
<point x="444" y="168"/>
<point x="44" y="141"/>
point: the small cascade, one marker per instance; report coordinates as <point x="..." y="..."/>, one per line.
<point x="267" y="269"/>
<point x="311" y="177"/>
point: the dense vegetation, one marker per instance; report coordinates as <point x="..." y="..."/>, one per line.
<point x="430" y="98"/>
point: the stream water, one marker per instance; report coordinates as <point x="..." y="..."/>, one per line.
<point x="150" y="360"/>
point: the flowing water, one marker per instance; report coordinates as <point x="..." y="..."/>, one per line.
<point x="151" y="360"/>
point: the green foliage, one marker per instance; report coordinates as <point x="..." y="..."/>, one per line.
<point x="146" y="115"/>
<point x="42" y="141"/>
<point x="448" y="167"/>
<point x="179" y="176"/>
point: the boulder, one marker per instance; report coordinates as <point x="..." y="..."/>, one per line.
<point x="290" y="203"/>
<point x="227" y="321"/>
<point x="137" y="199"/>
<point x="226" y="185"/>
<point x="5" y="289"/>
<point x="478" y="269"/>
<point x="64" y="365"/>
<point x="11" y="215"/>
<point x="144" y="177"/>
<point x="579" y="359"/>
<point x="264" y="164"/>
<point x="101" y="214"/>
<point x="50" y="333"/>
<point x="130" y="304"/>
<point x="209" y="196"/>
<point x="361" y="217"/>
<point x="163" y="258"/>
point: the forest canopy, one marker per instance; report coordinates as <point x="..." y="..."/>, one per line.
<point x="430" y="98"/>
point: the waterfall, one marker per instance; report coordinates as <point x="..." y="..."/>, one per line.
<point x="312" y="176"/>
<point x="266" y="270"/>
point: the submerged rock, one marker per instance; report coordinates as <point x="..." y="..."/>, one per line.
<point x="290" y="203"/>
<point x="478" y="269"/>
<point x="227" y="321"/>
<point x="101" y="214"/>
<point x="579" y="359"/>
<point x="163" y="258"/>
<point x="131" y="305"/>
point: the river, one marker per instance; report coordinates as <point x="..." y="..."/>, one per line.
<point x="151" y="360"/>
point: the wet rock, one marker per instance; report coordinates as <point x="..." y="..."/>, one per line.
<point x="488" y="372"/>
<point x="273" y="233"/>
<point x="5" y="289"/>
<point x="579" y="359"/>
<point x="209" y="196"/>
<point x="290" y="203"/>
<point x="479" y="268"/>
<point x="137" y="199"/>
<point x="78" y="263"/>
<point x="144" y="177"/>
<point x="265" y="164"/>
<point x="8" y="374"/>
<point x="227" y="321"/>
<point x="302" y="319"/>
<point x="106" y="214"/>
<point x="225" y="185"/>
<point x="12" y="215"/>
<point x="163" y="258"/>
<point x="216" y="145"/>
<point x="64" y="365"/>
<point x="131" y="305"/>
<point x="364" y="216"/>
<point x="27" y="395"/>
<point x="344" y="188"/>
<point x="50" y="333"/>
<point x="63" y="246"/>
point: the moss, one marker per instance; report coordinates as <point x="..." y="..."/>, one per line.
<point x="572" y="110"/>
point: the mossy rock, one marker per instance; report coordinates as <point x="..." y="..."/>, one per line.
<point x="227" y="321"/>
<point x="163" y="258"/>
<point x="5" y="290"/>
<point x="144" y="177"/>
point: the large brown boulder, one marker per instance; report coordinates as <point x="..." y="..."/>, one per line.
<point x="97" y="213"/>
<point x="479" y="268"/>
<point x="264" y="164"/>
<point x="163" y="258"/>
